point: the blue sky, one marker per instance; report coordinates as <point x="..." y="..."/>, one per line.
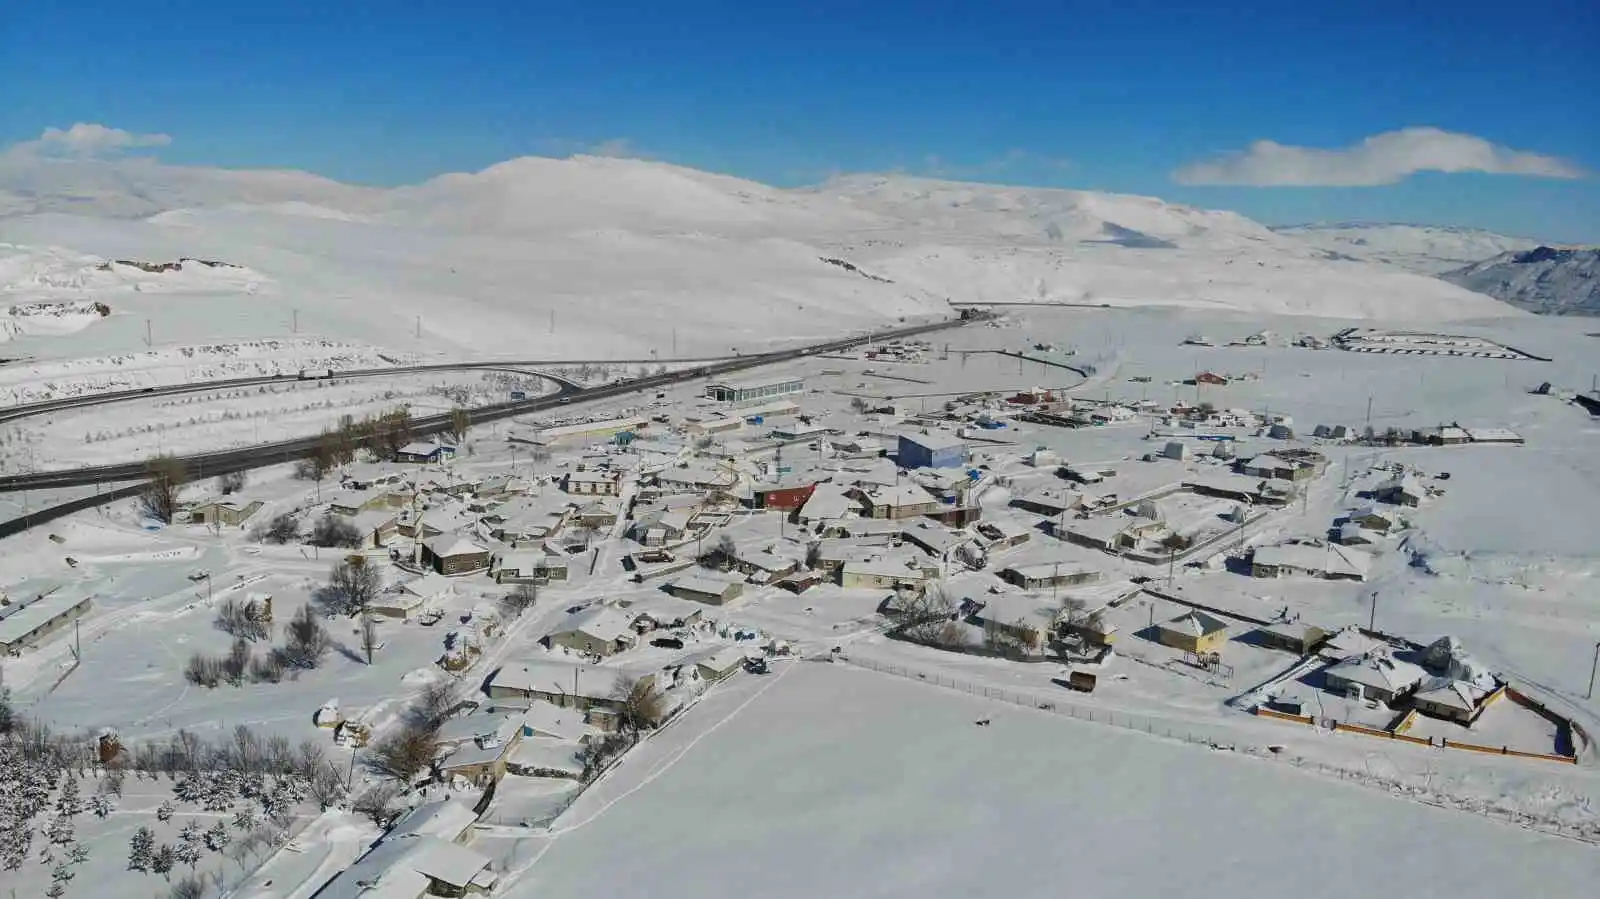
<point x="1134" y="96"/>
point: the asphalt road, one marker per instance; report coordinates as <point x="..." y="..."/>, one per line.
<point x="203" y="465"/>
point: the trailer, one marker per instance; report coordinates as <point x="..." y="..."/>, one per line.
<point x="315" y="374"/>
<point x="1081" y="681"/>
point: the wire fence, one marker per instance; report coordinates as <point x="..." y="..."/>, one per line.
<point x="1418" y="788"/>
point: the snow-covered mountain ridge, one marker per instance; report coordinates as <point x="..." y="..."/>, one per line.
<point x="1427" y="249"/>
<point x="589" y="254"/>
<point x="1546" y="280"/>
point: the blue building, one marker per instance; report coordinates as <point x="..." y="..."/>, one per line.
<point x="931" y="451"/>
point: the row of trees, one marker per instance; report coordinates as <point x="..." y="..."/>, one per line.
<point x="305" y="646"/>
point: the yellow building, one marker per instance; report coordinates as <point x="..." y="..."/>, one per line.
<point x="1194" y="632"/>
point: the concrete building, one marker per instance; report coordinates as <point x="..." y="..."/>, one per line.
<point x="722" y="664"/>
<point x="564" y="684"/>
<point x="933" y="450"/>
<point x="591" y="482"/>
<point x="901" y="501"/>
<point x="454" y="554"/>
<point x="754" y="391"/>
<point x="702" y="588"/>
<point x="1453" y="700"/>
<point x="1405" y="490"/>
<point x="1377" y="675"/>
<point x="1331" y="562"/>
<point x="597" y="631"/>
<point x="782" y="496"/>
<point x="1193" y="631"/>
<point x="884" y="574"/>
<point x="425" y="453"/>
<point x="223" y="512"/>
<point x="1044" y="575"/>
<point x="25" y="623"/>
<point x="1291" y="636"/>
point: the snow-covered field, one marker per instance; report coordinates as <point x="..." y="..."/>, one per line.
<point x="846" y="782"/>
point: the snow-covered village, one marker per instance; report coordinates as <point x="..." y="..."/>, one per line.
<point x="531" y="451"/>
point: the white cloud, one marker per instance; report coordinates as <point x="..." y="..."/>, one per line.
<point x="1380" y="159"/>
<point x="87" y="139"/>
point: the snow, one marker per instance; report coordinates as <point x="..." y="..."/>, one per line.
<point x="842" y="781"/>
<point x="1424" y="249"/>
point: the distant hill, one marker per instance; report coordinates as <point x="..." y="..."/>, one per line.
<point x="1545" y="280"/>
<point x="1426" y="249"/>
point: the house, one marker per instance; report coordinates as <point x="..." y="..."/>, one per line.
<point x="1373" y="518"/>
<point x="1444" y="435"/>
<point x="543" y="720"/>
<point x="601" y="513"/>
<point x="1193" y="631"/>
<point x="722" y="664"/>
<point x="1405" y="490"/>
<point x="597" y="631"/>
<point x="754" y="391"/>
<point x="1051" y="501"/>
<point x="409" y="598"/>
<point x="932" y="450"/>
<point x="1291" y="636"/>
<point x="29" y="621"/>
<point x="1001" y="535"/>
<point x="1211" y="378"/>
<point x="478" y="763"/>
<point x="1287" y="465"/>
<point x="544" y="757"/>
<point x="1105" y="533"/>
<point x="764" y="565"/>
<point x="377" y="527"/>
<point x="884" y="573"/>
<point x="527" y="567"/>
<point x="425" y="453"/>
<point x="786" y="495"/>
<point x="223" y="512"/>
<point x="454" y="554"/>
<point x="411" y="867"/>
<point x="660" y="611"/>
<point x="1352" y="534"/>
<point x="443" y="819"/>
<point x="1332" y="562"/>
<point x="1453" y="700"/>
<point x="591" y="482"/>
<point x="1024" y="619"/>
<point x="480" y="729"/>
<point x="935" y="539"/>
<point x="900" y="501"/>
<point x="703" y="588"/>
<point x="1044" y="575"/>
<point x="565" y="684"/>
<point x="825" y="502"/>
<point x="1377" y="675"/>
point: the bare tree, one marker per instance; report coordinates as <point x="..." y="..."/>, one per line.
<point x="190" y="886"/>
<point x="351" y="587"/>
<point x="231" y="483"/>
<point x="334" y="531"/>
<point x="521" y="598"/>
<point x="306" y="641"/>
<point x="159" y="499"/>
<point x="369" y="636"/>
<point x="460" y="423"/>
<point x="640" y="706"/>
<point x="405" y="753"/>
<point x="924" y="616"/>
<point x="236" y="662"/>
<point x="859" y="405"/>
<point x="375" y="802"/>
<point x="283" y="528"/>
<point x="243" y="620"/>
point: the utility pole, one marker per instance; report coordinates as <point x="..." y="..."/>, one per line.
<point x="552" y="321"/>
<point x="1593" y="668"/>
<point x="419" y="327"/>
<point x="1372" y="623"/>
<point x="1369" y="411"/>
<point x="147" y="340"/>
<point x="294" y="328"/>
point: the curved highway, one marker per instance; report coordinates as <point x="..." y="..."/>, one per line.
<point x="203" y="465"/>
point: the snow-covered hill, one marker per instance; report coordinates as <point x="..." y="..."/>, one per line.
<point x="1544" y="280"/>
<point x="1426" y="249"/>
<point x="599" y="256"/>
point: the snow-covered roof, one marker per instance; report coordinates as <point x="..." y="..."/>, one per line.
<point x="601" y="622"/>
<point x="1195" y="623"/>
<point x="725" y="659"/>
<point x="1329" y="559"/>
<point x="429" y="586"/>
<point x="1379" y="670"/>
<point x="420" y="448"/>
<point x="557" y="677"/>
<point x="1456" y="694"/>
<point x="401" y="868"/>
<point x="899" y="495"/>
<point x="555" y="721"/>
<point x="445" y="819"/>
<point x="546" y="754"/>
<point x="827" y="501"/>
<point x="1050" y="570"/>
<point x="475" y="726"/>
<point x="19" y="620"/>
<point x="700" y="583"/>
<point x="448" y="544"/>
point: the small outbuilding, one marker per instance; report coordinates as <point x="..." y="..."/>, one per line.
<point x="1193" y="631"/>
